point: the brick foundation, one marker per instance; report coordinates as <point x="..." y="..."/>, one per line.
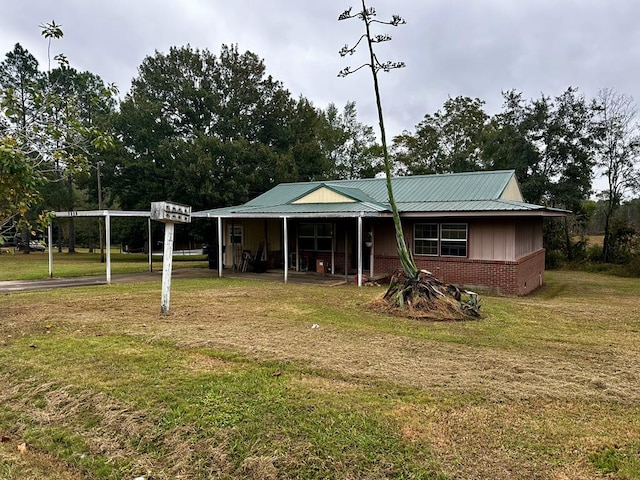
<point x="504" y="277"/>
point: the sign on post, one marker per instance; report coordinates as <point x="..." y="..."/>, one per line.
<point x="170" y="214"/>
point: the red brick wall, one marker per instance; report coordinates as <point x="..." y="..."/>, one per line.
<point x="505" y="277"/>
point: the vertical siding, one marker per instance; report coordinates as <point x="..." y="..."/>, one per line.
<point x="528" y="236"/>
<point x="491" y="239"/>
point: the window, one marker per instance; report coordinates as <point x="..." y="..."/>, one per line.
<point x="453" y="240"/>
<point x="316" y="237"/>
<point x="426" y="239"/>
<point x="235" y="234"/>
<point x="446" y="239"/>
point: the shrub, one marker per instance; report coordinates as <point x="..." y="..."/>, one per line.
<point x="554" y="259"/>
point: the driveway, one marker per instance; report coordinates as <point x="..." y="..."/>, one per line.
<point x="11" y="286"/>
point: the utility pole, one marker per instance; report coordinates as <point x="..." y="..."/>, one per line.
<point x="100" y="219"/>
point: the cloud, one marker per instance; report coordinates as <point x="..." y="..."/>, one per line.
<point x="462" y="47"/>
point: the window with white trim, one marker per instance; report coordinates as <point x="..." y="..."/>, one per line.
<point x="446" y="239"/>
<point x="453" y="239"/>
<point x="425" y="239"/>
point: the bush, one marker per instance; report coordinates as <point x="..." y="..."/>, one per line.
<point x="554" y="259"/>
<point x="594" y="253"/>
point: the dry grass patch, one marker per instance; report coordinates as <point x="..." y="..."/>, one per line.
<point x="236" y="383"/>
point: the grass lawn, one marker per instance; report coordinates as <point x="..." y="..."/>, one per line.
<point x="35" y="265"/>
<point x="235" y="383"/>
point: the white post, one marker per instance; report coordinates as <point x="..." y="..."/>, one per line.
<point x="346" y="256"/>
<point x="50" y="246"/>
<point x="333" y="248"/>
<point x="150" y="244"/>
<point x="107" y="230"/>
<point x="359" y="251"/>
<point x="285" y="242"/>
<point x="220" y="246"/>
<point x="167" y="259"/>
<point x="372" y="252"/>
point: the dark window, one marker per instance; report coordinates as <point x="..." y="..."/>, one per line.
<point x="315" y="237"/>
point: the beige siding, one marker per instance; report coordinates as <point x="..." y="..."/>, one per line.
<point x="492" y="240"/>
<point x="512" y="192"/>
<point x="324" y="195"/>
<point x="528" y="237"/>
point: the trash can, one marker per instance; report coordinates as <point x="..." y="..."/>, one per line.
<point x="211" y="251"/>
<point x="320" y="267"/>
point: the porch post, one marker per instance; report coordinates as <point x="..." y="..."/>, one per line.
<point x="372" y="253"/>
<point x="333" y="248"/>
<point x="107" y="229"/>
<point x="50" y="245"/>
<point x="360" y="251"/>
<point x="346" y="256"/>
<point x="219" y="247"/>
<point x="285" y="242"/>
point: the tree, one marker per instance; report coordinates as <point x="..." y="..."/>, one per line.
<point x="20" y="181"/>
<point x="350" y="145"/>
<point x="41" y="120"/>
<point x="446" y="142"/>
<point x="19" y="186"/>
<point x="618" y="151"/>
<point x="211" y="130"/>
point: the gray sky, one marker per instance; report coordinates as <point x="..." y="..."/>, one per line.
<point x="476" y="48"/>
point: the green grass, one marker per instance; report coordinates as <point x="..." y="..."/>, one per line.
<point x="33" y="266"/>
<point x="235" y="383"/>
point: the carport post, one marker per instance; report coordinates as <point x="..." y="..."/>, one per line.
<point x="107" y="230"/>
<point x="50" y="245"/>
<point x="150" y="244"/>
<point x="285" y="241"/>
<point x="360" y="251"/>
<point x="219" y="247"/>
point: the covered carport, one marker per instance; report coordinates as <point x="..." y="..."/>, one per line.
<point x="107" y="215"/>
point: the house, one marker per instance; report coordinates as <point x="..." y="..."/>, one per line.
<point x="472" y="229"/>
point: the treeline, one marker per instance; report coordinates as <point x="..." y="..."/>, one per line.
<point x="213" y="130"/>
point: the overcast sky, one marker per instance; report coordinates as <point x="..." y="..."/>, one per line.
<point x="476" y="48"/>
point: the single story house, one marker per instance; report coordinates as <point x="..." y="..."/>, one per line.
<point x="471" y="229"/>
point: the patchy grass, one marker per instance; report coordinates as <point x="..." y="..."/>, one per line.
<point x="236" y="383"/>
<point x="20" y="266"/>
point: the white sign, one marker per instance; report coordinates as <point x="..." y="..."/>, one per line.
<point x="170" y="212"/>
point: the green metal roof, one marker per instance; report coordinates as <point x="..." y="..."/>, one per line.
<point x="418" y="188"/>
<point x="457" y="192"/>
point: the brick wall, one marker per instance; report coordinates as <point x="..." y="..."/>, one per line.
<point x="505" y="277"/>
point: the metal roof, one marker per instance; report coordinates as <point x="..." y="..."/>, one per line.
<point x="472" y="192"/>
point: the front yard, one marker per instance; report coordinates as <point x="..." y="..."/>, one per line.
<point x="262" y="380"/>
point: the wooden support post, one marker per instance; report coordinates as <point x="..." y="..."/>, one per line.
<point x="167" y="260"/>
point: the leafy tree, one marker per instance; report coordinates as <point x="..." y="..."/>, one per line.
<point x="20" y="181"/>
<point x="448" y="141"/>
<point x="211" y="130"/>
<point x="41" y="120"/>
<point x="350" y="145"/>
<point x="19" y="185"/>
<point x="618" y="153"/>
